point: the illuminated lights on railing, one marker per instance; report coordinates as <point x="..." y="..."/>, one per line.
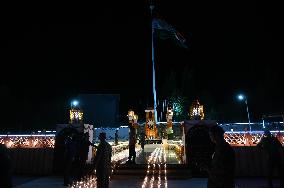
<point x="28" y="141"/>
<point x="242" y="138"/>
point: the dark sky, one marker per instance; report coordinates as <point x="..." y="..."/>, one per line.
<point x="49" y="56"/>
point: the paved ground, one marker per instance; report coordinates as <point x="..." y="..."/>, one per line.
<point x="57" y="182"/>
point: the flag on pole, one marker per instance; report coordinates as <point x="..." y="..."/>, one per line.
<point x="166" y="31"/>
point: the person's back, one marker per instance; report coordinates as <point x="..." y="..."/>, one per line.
<point x="103" y="162"/>
<point x="116" y="137"/>
<point x="70" y="148"/>
<point x="223" y="164"/>
<point x="5" y="168"/>
<point x="103" y="155"/>
<point x="274" y="160"/>
<point x="222" y="170"/>
<point x="142" y="140"/>
<point x="69" y="158"/>
<point x="271" y="146"/>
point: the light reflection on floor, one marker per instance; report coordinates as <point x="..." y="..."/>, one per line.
<point x="170" y="155"/>
<point x="157" y="158"/>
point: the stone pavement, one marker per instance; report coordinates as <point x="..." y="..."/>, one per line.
<point x="57" y="182"/>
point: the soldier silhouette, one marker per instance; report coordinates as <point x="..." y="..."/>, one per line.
<point x="103" y="162"/>
<point x="222" y="168"/>
<point x="274" y="157"/>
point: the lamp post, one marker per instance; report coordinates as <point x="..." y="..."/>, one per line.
<point x="242" y="97"/>
<point x="76" y="114"/>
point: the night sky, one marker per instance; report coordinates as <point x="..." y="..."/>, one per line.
<point x="49" y="56"/>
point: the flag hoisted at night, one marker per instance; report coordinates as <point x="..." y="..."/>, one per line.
<point x="166" y="31"/>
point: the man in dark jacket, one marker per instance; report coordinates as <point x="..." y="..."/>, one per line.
<point x="132" y="143"/>
<point x="5" y="168"/>
<point x="221" y="172"/>
<point x="103" y="162"/>
<point x="274" y="153"/>
<point x="83" y="147"/>
<point x="69" y="158"/>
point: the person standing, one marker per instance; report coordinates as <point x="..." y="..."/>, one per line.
<point x="5" y="168"/>
<point x="132" y="143"/>
<point x="116" y="137"/>
<point x="274" y="153"/>
<point x="103" y="162"/>
<point x="69" y="158"/>
<point x="142" y="140"/>
<point x="83" y="148"/>
<point x="221" y="172"/>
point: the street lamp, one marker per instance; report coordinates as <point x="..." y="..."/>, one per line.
<point x="74" y="103"/>
<point x="242" y="97"/>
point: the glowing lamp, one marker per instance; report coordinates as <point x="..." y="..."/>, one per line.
<point x="241" y="97"/>
<point x="196" y="110"/>
<point x="135" y="118"/>
<point x="75" y="103"/>
<point x="130" y="115"/>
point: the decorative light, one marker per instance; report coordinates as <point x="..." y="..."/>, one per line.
<point x="135" y="118"/>
<point x="241" y="97"/>
<point x="196" y="110"/>
<point x="130" y="115"/>
<point x="74" y="103"/>
<point x="28" y="141"/>
<point x="76" y="115"/>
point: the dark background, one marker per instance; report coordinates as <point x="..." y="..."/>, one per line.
<point x="50" y="54"/>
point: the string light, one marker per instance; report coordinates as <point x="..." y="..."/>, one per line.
<point x="28" y="141"/>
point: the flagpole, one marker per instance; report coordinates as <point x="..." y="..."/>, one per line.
<point x="153" y="62"/>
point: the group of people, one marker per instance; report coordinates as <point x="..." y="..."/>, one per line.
<point x="222" y="167"/>
<point x="76" y="154"/>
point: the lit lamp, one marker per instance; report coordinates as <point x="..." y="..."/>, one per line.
<point x="76" y="114"/>
<point x="196" y="111"/>
<point x="135" y="124"/>
<point x="241" y="98"/>
<point x="130" y="115"/>
<point x="135" y="118"/>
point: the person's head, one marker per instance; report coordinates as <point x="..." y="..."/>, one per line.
<point x="216" y="134"/>
<point x="267" y="133"/>
<point x="102" y="136"/>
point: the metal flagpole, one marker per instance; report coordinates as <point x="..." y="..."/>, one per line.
<point x="153" y="62"/>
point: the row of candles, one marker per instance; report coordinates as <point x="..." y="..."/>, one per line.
<point x="156" y="160"/>
<point x="118" y="158"/>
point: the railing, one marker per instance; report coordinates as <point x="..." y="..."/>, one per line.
<point x="250" y="138"/>
<point x="28" y="141"/>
